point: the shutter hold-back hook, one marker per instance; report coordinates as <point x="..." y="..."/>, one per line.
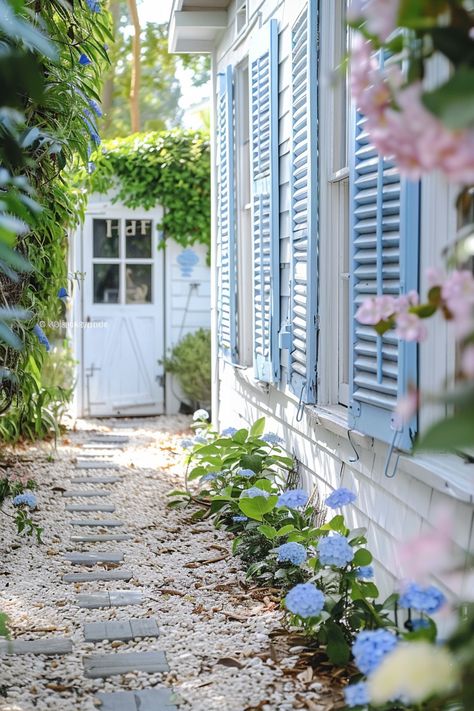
<point x="357" y="457"/>
<point x="389" y="457"/>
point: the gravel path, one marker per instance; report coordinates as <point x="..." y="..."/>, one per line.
<point x="224" y="643"/>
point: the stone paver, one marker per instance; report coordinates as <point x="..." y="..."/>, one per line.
<point x="119" y="598"/>
<point x="103" y="665"/>
<point x="106" y="523"/>
<point x="95" y="480"/>
<point x="93" y="558"/>
<point x="102" y="537"/>
<point x="108" y="508"/>
<point x="121" y="629"/>
<point x="157" y="699"/>
<point x="96" y="464"/>
<point x="53" y="645"/>
<point x="99" y="575"/>
<point x="109" y="438"/>
<point x="76" y="493"/>
<point x="102" y="446"/>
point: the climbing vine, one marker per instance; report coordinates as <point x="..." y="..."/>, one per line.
<point x="171" y="168"/>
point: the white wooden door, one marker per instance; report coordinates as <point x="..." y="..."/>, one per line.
<point x="123" y="307"/>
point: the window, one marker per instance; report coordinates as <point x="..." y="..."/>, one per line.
<point x="241" y="16"/>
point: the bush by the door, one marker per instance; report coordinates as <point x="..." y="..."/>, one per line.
<point x="190" y="362"/>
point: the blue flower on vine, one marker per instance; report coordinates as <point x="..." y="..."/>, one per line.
<point x="95" y="108"/>
<point x="423" y="599"/>
<point x="210" y="477"/>
<point x="93" y="5"/>
<point x="292" y="553"/>
<point x="26" y="499"/>
<point x="84" y="60"/>
<point x="41" y="336"/>
<point x="293" y="498"/>
<point x="335" y="550"/>
<point x="340" y="497"/>
<point x="305" y="600"/>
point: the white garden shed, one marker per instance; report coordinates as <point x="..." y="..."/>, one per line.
<point x="134" y="297"/>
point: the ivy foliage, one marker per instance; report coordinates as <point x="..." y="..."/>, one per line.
<point x="170" y="168"/>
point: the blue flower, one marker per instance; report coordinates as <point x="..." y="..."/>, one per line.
<point x="210" y="477"/>
<point x="292" y="552"/>
<point x="94" y="5"/>
<point x="95" y="107"/>
<point x="199" y="439"/>
<point x="247" y="473"/>
<point x="365" y="572"/>
<point x="187" y="443"/>
<point x="26" y="499"/>
<point x="228" y="432"/>
<point x="335" y="550"/>
<point x="272" y="438"/>
<point x="293" y="499"/>
<point x="89" y="121"/>
<point x="200" y="414"/>
<point x="253" y="492"/>
<point x="305" y="600"/>
<point x="239" y="519"/>
<point x="428" y="599"/>
<point x="357" y="694"/>
<point x="420" y="624"/>
<point x="84" y="60"/>
<point x="41" y="336"/>
<point x="62" y="293"/>
<point x="370" y="647"/>
<point x="340" y="497"/>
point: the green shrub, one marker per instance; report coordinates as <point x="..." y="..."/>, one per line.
<point x="190" y="362"/>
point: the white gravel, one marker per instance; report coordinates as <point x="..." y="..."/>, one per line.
<point x="214" y="631"/>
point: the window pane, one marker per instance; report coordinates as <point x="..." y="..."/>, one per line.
<point x="138" y="238"/>
<point x="106" y="238"/>
<point x="106" y="283"/>
<point x="138" y="280"/>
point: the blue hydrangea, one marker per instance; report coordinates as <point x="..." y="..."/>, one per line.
<point x="187" y="443"/>
<point x="305" y="600"/>
<point x="239" y="519"/>
<point x="199" y="439"/>
<point x="200" y="414"/>
<point x="247" y="473"/>
<point x="370" y="648"/>
<point x="335" y="550"/>
<point x="420" y="624"/>
<point x="41" y="336"/>
<point x="428" y="599"/>
<point x="357" y="694"/>
<point x="26" y="499"/>
<point x="293" y="499"/>
<point x="340" y="497"/>
<point x="253" y="492"/>
<point x="292" y="553"/>
<point x="210" y="477"/>
<point x="228" y="432"/>
<point x="272" y="438"/>
<point x="365" y="572"/>
<point x="84" y="60"/>
<point x="93" y="5"/>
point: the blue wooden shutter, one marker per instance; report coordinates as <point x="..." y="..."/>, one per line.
<point x="304" y="204"/>
<point x="384" y="260"/>
<point x="265" y="201"/>
<point x="226" y="244"/>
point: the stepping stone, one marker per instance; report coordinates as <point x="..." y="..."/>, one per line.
<point x="52" y="645"/>
<point x="121" y="629"/>
<point x="106" y="446"/>
<point x="108" y="508"/>
<point x="96" y="480"/>
<point x="102" y="538"/>
<point x="97" y="522"/>
<point x="85" y="493"/>
<point x="103" y="665"/>
<point x="93" y="558"/>
<point x="109" y="438"/>
<point x="99" y="575"/>
<point x="156" y="699"/>
<point x="119" y="598"/>
<point x="96" y="464"/>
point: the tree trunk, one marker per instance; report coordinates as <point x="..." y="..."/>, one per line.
<point x="109" y="82"/>
<point x="135" y="81"/>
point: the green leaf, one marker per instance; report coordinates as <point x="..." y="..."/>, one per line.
<point x="369" y="589"/>
<point x="268" y="531"/>
<point x="453" y="101"/>
<point x="258" y="427"/>
<point x="257" y="507"/>
<point x="337" y="648"/>
<point x="196" y="473"/>
<point x="450" y="434"/>
<point x="240" y="436"/>
<point x="285" y="530"/>
<point x="362" y="557"/>
<point x="264" y="484"/>
<point x="252" y="461"/>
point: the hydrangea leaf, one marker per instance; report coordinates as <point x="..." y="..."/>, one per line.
<point x="362" y="557"/>
<point x="257" y="507"/>
<point x="258" y="427"/>
<point x="337" y="647"/>
<point x="268" y="531"/>
<point x="251" y="461"/>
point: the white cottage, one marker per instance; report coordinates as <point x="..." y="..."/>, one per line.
<point x="308" y="221"/>
<point x="133" y="300"/>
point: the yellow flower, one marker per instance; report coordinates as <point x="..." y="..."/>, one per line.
<point x="413" y="671"/>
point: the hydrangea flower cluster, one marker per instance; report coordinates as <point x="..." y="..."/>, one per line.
<point x="423" y="599"/>
<point x="365" y="572"/>
<point x="210" y="477"/>
<point x="335" y="550"/>
<point x="239" y="519"/>
<point x="26" y="499"/>
<point x="419" y="624"/>
<point x="293" y="498"/>
<point x="253" y="492"/>
<point x="247" y="473"/>
<point x="229" y="432"/>
<point x="357" y="694"/>
<point x="199" y="439"/>
<point x="292" y="553"/>
<point x="271" y="438"/>
<point x="305" y="600"/>
<point x="370" y="648"/>
<point x="200" y="415"/>
<point x="340" y="497"/>
<point x="187" y="443"/>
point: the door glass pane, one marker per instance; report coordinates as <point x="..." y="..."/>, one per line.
<point x="138" y="281"/>
<point x="106" y="283"/>
<point x="106" y="238"/>
<point x="138" y="238"/>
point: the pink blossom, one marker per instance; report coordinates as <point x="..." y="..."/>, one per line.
<point x="458" y="294"/>
<point x="406" y="408"/>
<point x="406" y="301"/>
<point x="467" y="361"/>
<point x="410" y="327"/>
<point x="376" y="309"/>
<point x="435" y="276"/>
<point x="429" y="553"/>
